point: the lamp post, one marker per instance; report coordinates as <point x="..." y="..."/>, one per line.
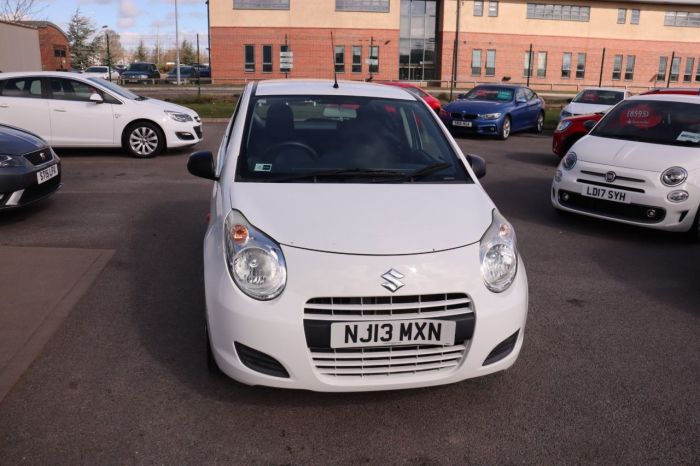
<point x="177" y="45"/>
<point x="109" y="56"/>
<point x="208" y="34"/>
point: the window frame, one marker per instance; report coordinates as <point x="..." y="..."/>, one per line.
<point x="479" y="53"/>
<point x="617" y="67"/>
<point x="493" y="8"/>
<point x="629" y="71"/>
<point x="356" y="67"/>
<point x="478" y="8"/>
<point x="528" y="58"/>
<point x="269" y="65"/>
<point x="581" y="65"/>
<point x="248" y="67"/>
<point x="382" y="6"/>
<point x="339" y="67"/>
<point x="540" y="54"/>
<point x="622" y="16"/>
<point x="374" y="68"/>
<point x="563" y="62"/>
<point x="659" y="76"/>
<point x="262" y="4"/>
<point x="675" y="71"/>
<point x="492" y="71"/>
<point x="635" y="15"/>
<point x="688" y="72"/>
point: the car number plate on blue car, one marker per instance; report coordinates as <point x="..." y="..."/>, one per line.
<point x="466" y="124"/>
<point x="47" y="173"/>
<point x="392" y="332"/>
<point x="606" y="194"/>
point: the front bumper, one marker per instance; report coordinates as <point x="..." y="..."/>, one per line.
<point x="19" y="186"/>
<point x="648" y="207"/>
<point x="480" y="127"/>
<point x="183" y="134"/>
<point x="280" y="328"/>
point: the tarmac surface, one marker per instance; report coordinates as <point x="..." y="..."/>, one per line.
<point x="609" y="371"/>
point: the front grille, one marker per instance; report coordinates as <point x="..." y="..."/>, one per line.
<point x="463" y="116"/>
<point x="416" y="306"/>
<point x="617" y="177"/>
<point x="198" y="130"/>
<point x="36" y="157"/>
<point x="610" y="185"/>
<point x="391" y="361"/>
<point x="38" y="191"/>
<point x="634" y="212"/>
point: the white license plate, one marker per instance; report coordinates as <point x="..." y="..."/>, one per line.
<point x="465" y="124"/>
<point x="392" y="332"/>
<point x="47" y="173"/>
<point x="607" y="194"/>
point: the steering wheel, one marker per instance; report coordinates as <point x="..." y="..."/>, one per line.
<point x="292" y="144"/>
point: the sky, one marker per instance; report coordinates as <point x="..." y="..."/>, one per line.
<point x="134" y="19"/>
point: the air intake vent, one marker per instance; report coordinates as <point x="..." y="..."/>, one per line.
<point x="502" y="350"/>
<point x="260" y="362"/>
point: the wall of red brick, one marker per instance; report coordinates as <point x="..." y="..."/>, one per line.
<point x="313" y="53"/>
<point x="51" y="38"/>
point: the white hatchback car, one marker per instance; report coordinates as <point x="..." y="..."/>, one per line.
<point x="594" y="100"/>
<point x="351" y="247"/>
<point x="70" y="110"/>
<point x="639" y="165"/>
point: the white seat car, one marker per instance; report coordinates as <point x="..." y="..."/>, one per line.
<point x="69" y="110"/>
<point x="351" y="246"/>
<point x="101" y="72"/>
<point x="640" y="165"/>
<point x="594" y="100"/>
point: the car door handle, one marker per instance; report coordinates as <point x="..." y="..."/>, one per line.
<point x="62" y="110"/>
<point x="4" y="106"/>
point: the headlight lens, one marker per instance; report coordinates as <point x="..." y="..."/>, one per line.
<point x="255" y="261"/>
<point x="177" y="116"/>
<point x="498" y="254"/>
<point x="563" y="125"/>
<point x="564" y="114"/>
<point x="674" y="176"/>
<point x="10" y="161"/>
<point x="678" y="196"/>
<point x="489" y="116"/>
<point x="569" y="161"/>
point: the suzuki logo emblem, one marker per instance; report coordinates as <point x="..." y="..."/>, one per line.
<point x="610" y="177"/>
<point x="392" y="278"/>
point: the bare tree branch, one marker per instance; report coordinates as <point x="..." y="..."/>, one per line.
<point x="20" y="10"/>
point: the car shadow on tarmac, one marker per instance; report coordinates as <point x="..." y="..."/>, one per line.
<point x="113" y="152"/>
<point x="19" y="215"/>
<point x="536" y="158"/>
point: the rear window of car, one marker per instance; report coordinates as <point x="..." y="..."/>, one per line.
<point x="345" y="139"/>
<point x="598" y="97"/>
<point x="653" y="121"/>
<point x="96" y="69"/>
<point x="21" y="87"/>
<point x="139" y="67"/>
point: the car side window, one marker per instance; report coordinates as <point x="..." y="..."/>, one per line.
<point x="529" y="95"/>
<point x="68" y="89"/>
<point x="520" y="95"/>
<point x="22" y="87"/>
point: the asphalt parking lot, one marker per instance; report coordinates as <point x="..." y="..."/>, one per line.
<point x="609" y="372"/>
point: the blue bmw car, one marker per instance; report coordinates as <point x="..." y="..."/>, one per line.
<point x="495" y="110"/>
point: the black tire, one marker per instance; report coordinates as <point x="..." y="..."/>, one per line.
<point x="694" y="232"/>
<point x="212" y="366"/>
<point x="505" y="129"/>
<point x="539" y="125"/>
<point x="143" y="140"/>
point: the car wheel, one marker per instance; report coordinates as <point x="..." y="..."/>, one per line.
<point x="539" y="126"/>
<point x="694" y="232"/>
<point x="505" y="129"/>
<point x="144" y="140"/>
<point x="212" y="366"/>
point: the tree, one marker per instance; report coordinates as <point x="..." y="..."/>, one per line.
<point x="83" y="44"/>
<point x="19" y="10"/>
<point x="187" y="53"/>
<point x="141" y="53"/>
<point x="116" y="51"/>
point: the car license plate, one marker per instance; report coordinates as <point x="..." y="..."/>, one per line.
<point x="47" y="173"/>
<point x="465" y="124"/>
<point x="607" y="194"/>
<point x="392" y="332"/>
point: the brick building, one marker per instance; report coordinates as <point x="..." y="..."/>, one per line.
<point x="638" y="43"/>
<point x="53" y="42"/>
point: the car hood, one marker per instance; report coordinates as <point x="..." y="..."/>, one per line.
<point x="17" y="142"/>
<point x="476" y="106"/>
<point x="162" y="105"/>
<point x="366" y="219"/>
<point x="636" y="155"/>
<point x="576" y="108"/>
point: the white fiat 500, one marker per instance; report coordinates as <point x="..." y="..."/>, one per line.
<point x="640" y="165"/>
<point x="351" y="247"/>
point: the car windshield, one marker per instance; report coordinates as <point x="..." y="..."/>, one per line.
<point x="96" y="69"/>
<point x="498" y="94"/>
<point x="183" y="70"/>
<point x="117" y="89"/>
<point x="599" y="97"/>
<point x="138" y="67"/>
<point x="345" y="139"/>
<point x="653" y="121"/>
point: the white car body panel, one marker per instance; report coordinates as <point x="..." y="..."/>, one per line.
<point x="582" y="108"/>
<point x="27" y="113"/>
<point x="69" y="120"/>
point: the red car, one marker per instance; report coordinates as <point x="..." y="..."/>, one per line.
<point x="433" y="102"/>
<point x="571" y="129"/>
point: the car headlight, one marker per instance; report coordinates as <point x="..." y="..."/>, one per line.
<point x="255" y="261"/>
<point x="10" y="161"/>
<point x="499" y="255"/>
<point x="563" y="125"/>
<point x="177" y="116"/>
<point x="489" y="116"/>
<point x="678" y="196"/>
<point x="564" y="114"/>
<point x="674" y="176"/>
<point x="569" y="161"/>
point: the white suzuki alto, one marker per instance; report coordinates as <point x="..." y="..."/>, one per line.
<point x="351" y="247"/>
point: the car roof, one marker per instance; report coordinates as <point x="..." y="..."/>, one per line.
<point x="673" y="90"/>
<point x="510" y="86"/>
<point x="615" y="89"/>
<point x="44" y="74"/>
<point x="691" y="99"/>
<point x="325" y="87"/>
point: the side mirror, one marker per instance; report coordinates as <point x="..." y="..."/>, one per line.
<point x="202" y="164"/>
<point x="460" y="96"/>
<point x="589" y="124"/>
<point x="521" y="100"/>
<point x="96" y="98"/>
<point x="478" y="164"/>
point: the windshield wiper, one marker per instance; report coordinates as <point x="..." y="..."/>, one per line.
<point x="421" y="172"/>
<point x="339" y="172"/>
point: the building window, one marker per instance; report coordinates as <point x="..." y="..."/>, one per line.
<point x="372" y="6"/>
<point x="661" y="75"/>
<point x="566" y="65"/>
<point x="340" y="59"/>
<point x="629" y="68"/>
<point x="621" y="15"/>
<point x="476" y="62"/>
<point x="490" y="62"/>
<point x="581" y="66"/>
<point x="478" y="8"/>
<point x="634" y="19"/>
<point x="527" y="63"/>
<point x="541" y="64"/>
<point x="682" y="19"/>
<point x="675" y="68"/>
<point x="558" y="12"/>
<point x="493" y="8"/>
<point x="261" y="4"/>
<point x="617" y="68"/>
<point x="688" y="74"/>
<point x="285" y="66"/>
<point x="374" y="59"/>
<point x="357" y="59"/>
<point x="250" y="58"/>
<point x="59" y="53"/>
<point x="267" y="58"/>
